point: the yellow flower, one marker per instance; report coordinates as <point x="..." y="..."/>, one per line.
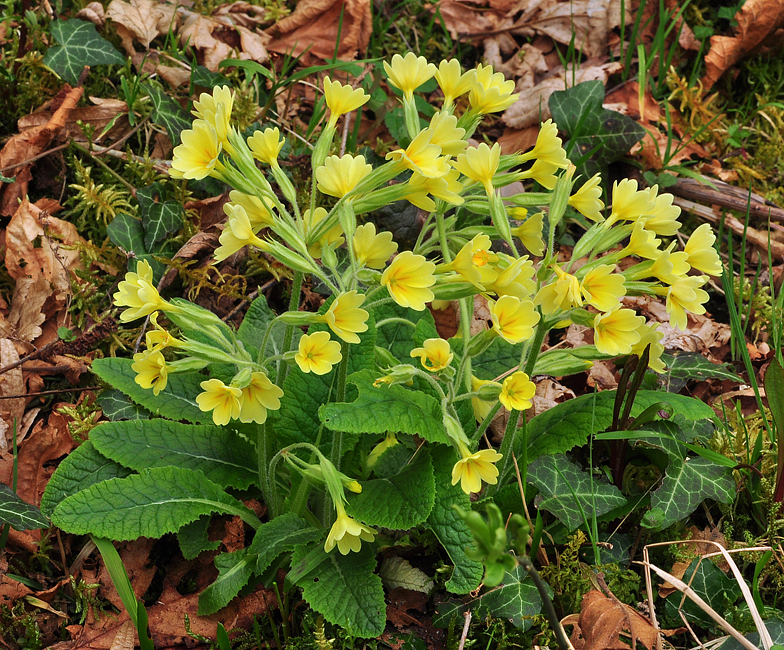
<point x="472" y="262"/>
<point x="670" y="267"/>
<point x="216" y="109"/>
<point x="197" y="156"/>
<point x="408" y="279"/>
<point x="542" y="172"/>
<point x="563" y="294"/>
<point x="237" y="234"/>
<point x="474" y="468"/>
<point x="347" y="533"/>
<point x="629" y="203"/>
<point x="342" y="99"/>
<point x="548" y="148"/>
<point x="371" y="249"/>
<point x="137" y="292"/>
<point x="446" y="134"/>
<point x="409" y="73"/>
<point x="259" y="210"/>
<point x="446" y="188"/>
<point x="642" y="243"/>
<point x="517" y="279"/>
<point x="317" y="353"/>
<point x="421" y="156"/>
<point x="517" y="391"/>
<point x="587" y="199"/>
<point x="650" y="335"/>
<point x="480" y="164"/>
<point x="266" y="145"/>
<point x="453" y="81"/>
<point x="530" y="232"/>
<point x="686" y="295"/>
<point x="436" y="353"/>
<point x="345" y="318"/>
<point x="603" y="288"/>
<point x="158" y="338"/>
<point x="616" y="331"/>
<point x="491" y="93"/>
<point x="333" y="236"/>
<point x="514" y="319"/>
<point x="377" y="451"/>
<point x="338" y="176"/>
<point x="663" y="217"/>
<point x="150" y="369"/>
<point x="258" y="397"/>
<point x="701" y="253"/>
<point x="222" y="400"/>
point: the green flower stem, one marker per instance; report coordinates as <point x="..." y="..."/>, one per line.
<point x="266" y="450"/>
<point x="507" y="449"/>
<point x="395" y="319"/>
<point x="296" y="288"/>
<point x="337" y="436"/>
<point x="486" y="422"/>
<point x="536" y="346"/>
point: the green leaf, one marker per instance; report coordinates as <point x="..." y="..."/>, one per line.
<point x="220" y="454"/>
<point x="774" y="390"/>
<point x="193" y="538"/>
<point x="775" y="628"/>
<point x="281" y="535"/>
<point x="685" y="366"/>
<point x="496" y="360"/>
<point x="345" y="590"/>
<point x="177" y="401"/>
<point x="159" y="218"/>
<point x="80" y="45"/>
<point x="396" y="571"/>
<point x="157" y="501"/>
<point x="127" y="232"/>
<point x="234" y="571"/>
<point x="715" y="587"/>
<point x="560" y="363"/>
<point x="117" y="406"/>
<point x="83" y="467"/>
<point x="257" y="318"/>
<point x="448" y="526"/>
<point x="386" y="408"/>
<point x="201" y="76"/>
<point x="565" y="489"/>
<point x="400" y="501"/>
<point x="398" y="337"/>
<point x="517" y="600"/>
<point x="168" y="113"/>
<point x="571" y="423"/>
<point x="18" y="513"/>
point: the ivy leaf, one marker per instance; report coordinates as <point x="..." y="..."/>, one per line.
<point x="386" y="408"/>
<point x="448" y="526"/>
<point x="117" y="406"/>
<point x="400" y="501"/>
<point x="234" y="571"/>
<point x="223" y="456"/>
<point x="79" y="45"/>
<point x="18" y="513"/>
<point x="177" y="401"/>
<point x="127" y="232"/>
<point x="345" y="589"/>
<point x="714" y="586"/>
<point x="168" y="113"/>
<point x="80" y="469"/>
<point x="157" y="501"/>
<point x="565" y="488"/>
<point x="193" y="538"/>
<point x="159" y="218"/>
<point x="685" y="366"/>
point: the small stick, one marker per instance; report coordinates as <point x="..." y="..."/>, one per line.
<point x="464" y="634"/>
<point x="52" y="392"/>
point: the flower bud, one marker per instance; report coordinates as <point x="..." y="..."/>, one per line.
<point x="481" y="342"/>
<point x="400" y="374"/>
<point x="489" y="392"/>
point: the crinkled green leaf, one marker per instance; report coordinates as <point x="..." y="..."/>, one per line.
<point x="234" y="571"/>
<point x="400" y="501"/>
<point x="686" y="366"/>
<point x="386" y="408"/>
<point x="193" y="538"/>
<point x="83" y="467"/>
<point x="345" y="589"/>
<point x="177" y="401"/>
<point x="159" y="218"/>
<point x="400" y="338"/>
<point x="224" y="457"/>
<point x="18" y="513"/>
<point x="496" y="360"/>
<point x="449" y="527"/>
<point x="396" y="571"/>
<point x="281" y="535"/>
<point x="157" y="501"/>
<point x="251" y="330"/>
<point x="117" y="406"/>
<point x="168" y="113"/>
<point x="79" y="45"/>
<point x="565" y="488"/>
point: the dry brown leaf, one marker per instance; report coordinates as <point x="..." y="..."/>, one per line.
<point x="314" y="26"/>
<point x="93" y="12"/>
<point x="99" y="116"/>
<point x="125" y="637"/>
<point x="549" y="393"/>
<point x="135" y="556"/>
<point x="603" y="620"/>
<point x="465" y="18"/>
<point x="11" y="383"/>
<point x="759" y="24"/>
<point x="139" y="17"/>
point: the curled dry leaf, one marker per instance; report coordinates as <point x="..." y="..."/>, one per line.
<point x="11" y="383"/>
<point x="93" y="12"/>
<point x="603" y="621"/>
<point x="99" y="116"/>
<point x="139" y="18"/>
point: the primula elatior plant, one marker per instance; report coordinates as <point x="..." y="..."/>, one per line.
<point x="369" y="423"/>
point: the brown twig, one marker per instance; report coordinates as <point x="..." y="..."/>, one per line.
<point x="52" y="392"/>
<point x="34" y="158"/>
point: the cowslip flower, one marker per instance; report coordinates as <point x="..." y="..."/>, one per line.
<point x="378" y="451"/>
<point x="669" y="267"/>
<point x="347" y="533"/>
<point x="447" y="188"/>
<point x="371" y="249"/>
<point x="543" y="172"/>
<point x="629" y="203"/>
<point x="453" y="81"/>
<point x="562" y="294"/>
<point x="491" y="93"/>
<point x="472" y="262"/>
<point x="342" y="99"/>
<point x="514" y="319"/>
<point x="700" y="251"/>
<point x="137" y="293"/>
<point x="407" y="278"/>
<point x="662" y="219"/>
<point x="480" y="164"/>
<point x="421" y="156"/>
<point x="650" y="335"/>
<point x="409" y="73"/>
<point x="216" y="110"/>
<point x="530" y="232"/>
<point x="266" y="145"/>
<point x="473" y="468"/>
<point x="517" y="391"/>
<point x="446" y="134"/>
<point x="334" y="236"/>
<point x="222" y="400"/>
<point x="587" y="199"/>
<point x="616" y="331"/>
<point x="642" y="243"/>
<point x="685" y="295"/>
<point x="603" y="288"/>
<point x="434" y="355"/>
<point x="158" y="338"/>
<point x="548" y="147"/>
<point x="259" y="210"/>
<point x="258" y="397"/>
<point x="340" y="175"/>
<point x="150" y="369"/>
<point x="237" y="234"/>
<point x="345" y="318"/>
<point x="197" y="156"/>
<point x="516" y="279"/>
<point x="317" y="353"/>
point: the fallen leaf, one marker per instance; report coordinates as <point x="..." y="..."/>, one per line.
<point x="549" y="393"/>
<point x="103" y="113"/>
<point x="139" y="17"/>
<point x="94" y="12"/>
<point x="11" y="383"/>
<point x="603" y="620"/>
